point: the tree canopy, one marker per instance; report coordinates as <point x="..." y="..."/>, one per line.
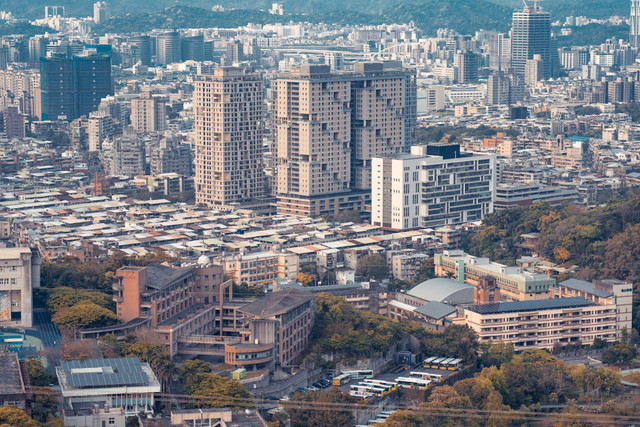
<point x="301" y="408"/>
<point x="14" y="417"/>
<point x="211" y="390"/>
<point x="372" y="266"/>
<point x="191" y="371"/>
<point x="65" y="297"/>
<point x="525" y="380"/>
<point x="83" y="315"/>
<point x="604" y="242"/>
<point x="343" y="331"/>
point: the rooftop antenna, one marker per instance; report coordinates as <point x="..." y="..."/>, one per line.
<point x="535" y="4"/>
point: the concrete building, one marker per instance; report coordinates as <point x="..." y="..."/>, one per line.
<point x="407" y="264"/>
<point x="602" y="292"/>
<point x="168" y="48"/>
<point x="498" y="89"/>
<point x="330" y="125"/>
<point x="283" y="319"/>
<point x="170" y="156"/>
<point x="13" y="122"/>
<point x="312" y="115"/>
<point x="141" y="49"/>
<point x="128" y="156"/>
<point x="634" y="21"/>
<point x="211" y="417"/>
<point x="533" y="70"/>
<point x="515" y="283"/>
<point x="192" y="48"/>
<point x="431" y="303"/>
<point x="19" y="276"/>
<point x="543" y="323"/>
<point x="14" y="388"/>
<point x="510" y="195"/>
<point x="100" y="127"/>
<point x="406" y="188"/>
<point x="101" y="12"/>
<point x="148" y="113"/>
<point x="261" y="268"/>
<point x="433" y="98"/>
<point x="229" y="127"/>
<point x="123" y="383"/>
<point x="531" y="35"/>
<point x="191" y="310"/>
<point x="499" y="52"/>
<point x="73" y="87"/>
<point x="467" y="65"/>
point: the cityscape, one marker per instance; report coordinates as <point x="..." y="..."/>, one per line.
<point x="404" y="213"/>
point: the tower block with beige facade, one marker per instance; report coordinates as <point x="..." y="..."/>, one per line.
<point x="229" y="126"/>
<point x="330" y="125"/>
<point x="312" y="115"/>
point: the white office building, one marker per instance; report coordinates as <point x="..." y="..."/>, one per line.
<point x="433" y="186"/>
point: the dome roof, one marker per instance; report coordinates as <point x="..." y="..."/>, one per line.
<point x="204" y="260"/>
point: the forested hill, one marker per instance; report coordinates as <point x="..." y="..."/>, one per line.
<point x="603" y="242"/>
<point x="465" y="16"/>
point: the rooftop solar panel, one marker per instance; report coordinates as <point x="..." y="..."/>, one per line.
<point x="95" y="373"/>
<point x="534" y="305"/>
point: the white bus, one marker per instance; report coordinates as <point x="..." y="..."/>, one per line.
<point x="360" y="391"/>
<point x="427" y="362"/>
<point x="381" y="383"/>
<point x="426" y="376"/>
<point x="358" y="375"/>
<point x="413" y="383"/>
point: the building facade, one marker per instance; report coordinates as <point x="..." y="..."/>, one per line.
<point x="515" y="283"/>
<point x="168" y="48"/>
<point x="19" y="276"/>
<point x="329" y="126"/>
<point x="531" y="35"/>
<point x="433" y="186"/>
<point x="73" y="87"/>
<point x="148" y="113"/>
<point x="543" y="324"/>
<point x="229" y="127"/>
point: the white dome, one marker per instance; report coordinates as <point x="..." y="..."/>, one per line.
<point x="204" y="260"/>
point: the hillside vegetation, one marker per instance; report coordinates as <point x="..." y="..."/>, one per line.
<point x="603" y="242"/>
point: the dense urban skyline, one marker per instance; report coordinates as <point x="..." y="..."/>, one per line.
<point x="399" y="212"/>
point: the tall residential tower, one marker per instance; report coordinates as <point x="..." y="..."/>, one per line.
<point x="229" y="127"/>
<point x="328" y="128"/>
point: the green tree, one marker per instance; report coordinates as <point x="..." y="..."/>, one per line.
<point x="619" y="354"/>
<point x="372" y="266"/>
<point x="38" y="376"/>
<point x="310" y="409"/>
<point x="404" y="418"/>
<point x="44" y="405"/>
<point x="65" y="297"/>
<point x="190" y="372"/>
<point x="212" y="390"/>
<point x="14" y="417"/>
<point x="84" y="315"/>
<point x="497" y="354"/>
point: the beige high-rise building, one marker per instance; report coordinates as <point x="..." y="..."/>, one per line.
<point x="229" y="127"/>
<point x="383" y="117"/>
<point x="312" y="116"/>
<point x="328" y="126"/>
<point x="148" y="114"/>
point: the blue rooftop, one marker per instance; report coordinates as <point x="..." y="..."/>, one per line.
<point x="533" y="305"/>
